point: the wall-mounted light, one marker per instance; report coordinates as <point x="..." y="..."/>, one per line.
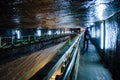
<point x="38" y="32"/>
<point x="62" y="32"/>
<point x="72" y="31"/>
<point x="98" y="33"/>
<point x="17" y="34"/>
<point x="67" y="32"/>
<point x="57" y="32"/>
<point x="16" y="20"/>
<point x="102" y="35"/>
<point x="49" y="32"/>
<point x="91" y="24"/>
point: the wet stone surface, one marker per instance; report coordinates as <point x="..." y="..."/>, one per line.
<point x="90" y="67"/>
<point x="54" y="13"/>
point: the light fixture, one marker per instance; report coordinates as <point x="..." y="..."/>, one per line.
<point x="67" y="32"/>
<point x="91" y="24"/>
<point x="16" y="20"/>
<point x="57" y="32"/>
<point x="38" y="32"/>
<point x="49" y="32"/>
<point x="62" y="32"/>
<point x="17" y="32"/>
<point x="102" y="35"/>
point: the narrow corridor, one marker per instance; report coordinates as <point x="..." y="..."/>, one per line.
<point x="90" y="67"/>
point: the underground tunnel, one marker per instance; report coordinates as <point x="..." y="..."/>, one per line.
<point x="43" y="39"/>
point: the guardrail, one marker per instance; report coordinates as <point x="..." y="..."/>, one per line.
<point x="12" y="41"/>
<point x="72" y="52"/>
<point x="69" y="66"/>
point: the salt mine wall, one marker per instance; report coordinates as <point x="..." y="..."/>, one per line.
<point x="110" y="52"/>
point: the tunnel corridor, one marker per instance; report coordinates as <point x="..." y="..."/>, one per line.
<point x="44" y="39"/>
<point x="90" y="67"/>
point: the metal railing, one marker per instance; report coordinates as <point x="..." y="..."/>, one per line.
<point x="72" y="51"/>
<point x="71" y="70"/>
<point x="69" y="67"/>
<point x="66" y="75"/>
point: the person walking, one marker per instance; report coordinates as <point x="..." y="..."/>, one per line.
<point x="86" y="39"/>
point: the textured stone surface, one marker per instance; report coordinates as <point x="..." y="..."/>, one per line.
<point x="54" y="13"/>
<point x="112" y="44"/>
<point x="90" y="67"/>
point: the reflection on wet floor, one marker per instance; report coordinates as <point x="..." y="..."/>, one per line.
<point x="90" y="67"/>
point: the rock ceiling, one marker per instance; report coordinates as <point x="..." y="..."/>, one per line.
<point x="54" y="13"/>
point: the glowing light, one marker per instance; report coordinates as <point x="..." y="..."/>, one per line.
<point x="98" y="33"/>
<point x="18" y="34"/>
<point x="49" y="32"/>
<point x="17" y="20"/>
<point x="58" y="32"/>
<point x="62" y="32"/>
<point x="102" y="36"/>
<point x="67" y="32"/>
<point x="53" y="77"/>
<point x="39" y="32"/>
<point x="91" y="24"/>
<point x="107" y="38"/>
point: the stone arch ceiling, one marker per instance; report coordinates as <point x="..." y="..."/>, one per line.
<point x="54" y="13"/>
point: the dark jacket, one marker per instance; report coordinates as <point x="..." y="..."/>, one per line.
<point x="86" y="35"/>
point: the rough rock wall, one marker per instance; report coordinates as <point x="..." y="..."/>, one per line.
<point x="111" y="53"/>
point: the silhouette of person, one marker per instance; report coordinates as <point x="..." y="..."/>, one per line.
<point x="86" y="39"/>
